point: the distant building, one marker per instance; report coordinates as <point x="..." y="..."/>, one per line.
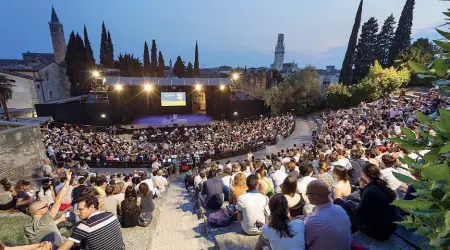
<point x="328" y="76"/>
<point x="279" y="54"/>
<point x="289" y="69"/>
<point x="39" y="77"/>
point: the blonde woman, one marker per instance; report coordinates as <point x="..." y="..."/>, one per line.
<point x="239" y="187"/>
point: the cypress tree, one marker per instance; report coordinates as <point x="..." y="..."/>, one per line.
<point x="190" y="70"/>
<point x="402" y="38"/>
<point x="76" y="64"/>
<point x="196" y="63"/>
<point x="346" y="71"/>
<point x="366" y="50"/>
<point x="70" y="67"/>
<point x="110" y="51"/>
<point x="385" y="40"/>
<point x="147" y="65"/>
<point x="178" y="68"/>
<point x="89" y="54"/>
<point x="154" y="62"/>
<point x="104" y="48"/>
<point x="161" y="66"/>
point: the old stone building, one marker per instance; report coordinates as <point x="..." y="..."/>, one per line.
<point x="255" y="81"/>
<point x="39" y="77"/>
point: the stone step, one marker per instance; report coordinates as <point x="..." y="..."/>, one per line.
<point x="192" y="244"/>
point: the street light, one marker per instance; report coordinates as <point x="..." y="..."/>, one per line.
<point x="222" y="87"/>
<point x="235" y="76"/>
<point x="118" y="87"/>
<point x="198" y="87"/>
<point x="148" y="87"/>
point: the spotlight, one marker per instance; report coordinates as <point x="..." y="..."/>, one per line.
<point x="235" y="113"/>
<point x="118" y="87"/>
<point x="148" y="87"/>
<point x="198" y="87"/>
<point x="103" y="115"/>
<point x="95" y="73"/>
<point x="222" y="87"/>
<point x="235" y="76"/>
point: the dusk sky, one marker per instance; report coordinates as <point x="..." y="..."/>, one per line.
<point x="232" y="32"/>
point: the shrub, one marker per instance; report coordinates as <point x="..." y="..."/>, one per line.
<point x="338" y="96"/>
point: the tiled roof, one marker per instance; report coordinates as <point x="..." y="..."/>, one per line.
<point x="22" y="65"/>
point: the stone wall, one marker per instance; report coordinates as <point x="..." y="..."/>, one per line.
<point x="255" y="82"/>
<point x="55" y="84"/>
<point x="21" y="151"/>
<point x="23" y="94"/>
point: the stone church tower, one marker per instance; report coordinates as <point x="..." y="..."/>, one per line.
<point x="279" y="54"/>
<point x="58" y="40"/>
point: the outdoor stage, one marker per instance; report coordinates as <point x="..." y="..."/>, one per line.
<point x="164" y="120"/>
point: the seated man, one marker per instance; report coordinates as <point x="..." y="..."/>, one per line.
<point x="43" y="226"/>
<point x="160" y="181"/>
<point x="328" y="227"/>
<point x="251" y="207"/>
<point x="213" y="190"/>
<point x="100" y="230"/>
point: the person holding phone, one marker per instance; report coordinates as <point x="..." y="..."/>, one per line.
<point x="43" y="226"/>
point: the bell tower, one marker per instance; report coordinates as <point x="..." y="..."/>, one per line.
<point x="279" y="54"/>
<point x="58" y="40"/>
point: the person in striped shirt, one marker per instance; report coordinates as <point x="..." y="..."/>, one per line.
<point x="98" y="229"/>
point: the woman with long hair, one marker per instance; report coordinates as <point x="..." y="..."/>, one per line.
<point x="323" y="175"/>
<point x="342" y="188"/>
<point x="239" y="187"/>
<point x="147" y="206"/>
<point x="129" y="209"/>
<point x="374" y="215"/>
<point x="47" y="194"/>
<point x="294" y="199"/>
<point x="281" y="232"/>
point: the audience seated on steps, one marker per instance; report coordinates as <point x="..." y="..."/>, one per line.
<point x="239" y="188"/>
<point x="129" y="209"/>
<point x="374" y="215"/>
<point x="7" y="195"/>
<point x="294" y="199"/>
<point x="213" y="191"/>
<point x="252" y="207"/>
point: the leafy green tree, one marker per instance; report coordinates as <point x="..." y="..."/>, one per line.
<point x="89" y="54"/>
<point x="178" y="68"/>
<point x="189" y="70"/>
<point x="280" y="98"/>
<point x="402" y="38"/>
<point x="6" y="90"/>
<point x="385" y="40"/>
<point x="104" y="48"/>
<point x="338" y="96"/>
<point x="196" y="63"/>
<point x="161" y="66"/>
<point x="366" y="50"/>
<point x="147" y="64"/>
<point x="421" y="51"/>
<point x="154" y="62"/>
<point x="347" y="66"/>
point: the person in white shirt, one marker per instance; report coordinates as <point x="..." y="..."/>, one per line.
<point x="160" y="181"/>
<point x="281" y="232"/>
<point x="252" y="207"/>
<point x="306" y="170"/>
<point x="278" y="177"/>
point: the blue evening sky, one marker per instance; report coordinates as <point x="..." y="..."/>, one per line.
<point x="231" y="32"/>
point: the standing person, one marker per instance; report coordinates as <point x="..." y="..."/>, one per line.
<point x="43" y="226"/>
<point x="252" y="207"/>
<point x="100" y="230"/>
<point x="328" y="227"/>
<point x="281" y="232"/>
<point x="147" y="205"/>
<point x="213" y="189"/>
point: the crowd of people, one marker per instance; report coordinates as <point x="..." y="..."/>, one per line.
<point x="316" y="195"/>
<point x="73" y="143"/>
<point x="311" y="196"/>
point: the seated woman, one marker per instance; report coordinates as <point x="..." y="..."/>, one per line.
<point x="147" y="206"/>
<point x="265" y="184"/>
<point x="342" y="188"/>
<point x="281" y="232"/>
<point x="129" y="209"/>
<point x="294" y="199"/>
<point x="47" y="194"/>
<point x="7" y="195"/>
<point x="239" y="187"/>
<point x="374" y="215"/>
<point x="323" y="175"/>
<point x="23" y="198"/>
